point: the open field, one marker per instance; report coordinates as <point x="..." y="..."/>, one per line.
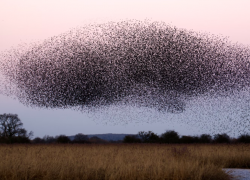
<point x="121" y="161"/>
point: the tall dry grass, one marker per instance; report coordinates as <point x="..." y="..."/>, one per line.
<point x="121" y="161"/>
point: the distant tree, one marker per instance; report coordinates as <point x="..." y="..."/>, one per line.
<point x="38" y="140"/>
<point x="49" y="139"/>
<point x="196" y="139"/>
<point x="148" y="137"/>
<point x="10" y="125"/>
<point x="244" y="138"/>
<point x="80" y="138"/>
<point x="205" y="138"/>
<point x="131" y="139"/>
<point x="153" y="138"/>
<point x="96" y="139"/>
<point x="221" y="138"/>
<point x="11" y="129"/>
<point x="23" y="133"/>
<point x="187" y="139"/>
<point x="143" y="135"/>
<point x="19" y="139"/>
<point x="170" y="137"/>
<point x="63" y="139"/>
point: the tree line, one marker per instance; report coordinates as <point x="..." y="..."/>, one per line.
<point x="172" y="137"/>
<point x="12" y="131"/>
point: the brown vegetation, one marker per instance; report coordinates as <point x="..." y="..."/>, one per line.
<point x="121" y="161"/>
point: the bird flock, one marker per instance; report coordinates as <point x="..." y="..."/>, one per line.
<point x="142" y="63"/>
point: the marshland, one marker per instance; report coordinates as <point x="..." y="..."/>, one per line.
<point x="121" y="161"/>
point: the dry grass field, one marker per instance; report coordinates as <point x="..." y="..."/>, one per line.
<point x="121" y="161"/>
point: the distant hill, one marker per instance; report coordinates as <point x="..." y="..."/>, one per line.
<point x="107" y="137"/>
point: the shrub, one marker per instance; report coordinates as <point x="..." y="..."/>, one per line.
<point x="14" y="139"/>
<point x="187" y="139"/>
<point x="62" y="139"/>
<point x="80" y="138"/>
<point x="148" y="137"/>
<point x="205" y="138"/>
<point x="38" y="140"/>
<point x="244" y="138"/>
<point x="170" y="137"/>
<point x="49" y="139"/>
<point x="221" y="138"/>
<point x="131" y="139"/>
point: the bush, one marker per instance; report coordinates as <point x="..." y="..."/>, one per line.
<point x="20" y="139"/>
<point x="244" y="138"/>
<point x="38" y="140"/>
<point x="170" y="137"/>
<point x="14" y="139"/>
<point x="49" y="139"/>
<point x="131" y="139"/>
<point x="187" y="139"/>
<point x="153" y="138"/>
<point x="205" y="138"/>
<point x="148" y="137"/>
<point x="221" y="138"/>
<point x="62" y="139"/>
<point x="80" y="138"/>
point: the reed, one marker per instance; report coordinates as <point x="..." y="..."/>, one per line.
<point x="121" y="161"/>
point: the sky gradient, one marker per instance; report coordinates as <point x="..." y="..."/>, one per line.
<point x="27" y="21"/>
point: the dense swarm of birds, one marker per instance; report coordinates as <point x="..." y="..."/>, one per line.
<point x="149" y="64"/>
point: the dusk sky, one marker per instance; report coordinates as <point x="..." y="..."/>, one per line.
<point x="28" y="21"/>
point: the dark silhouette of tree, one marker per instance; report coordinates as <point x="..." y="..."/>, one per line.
<point x="49" y="139"/>
<point x="187" y="139"/>
<point x="244" y="138"/>
<point x="131" y="139"/>
<point x="80" y="138"/>
<point x="170" y="137"/>
<point x="196" y="139"/>
<point x="23" y="133"/>
<point x="205" y="138"/>
<point x="12" y="131"/>
<point x="10" y="125"/>
<point x="221" y="138"/>
<point x="153" y="138"/>
<point x="38" y="140"/>
<point x="63" y="139"/>
<point x="19" y="139"/>
<point x="148" y="137"/>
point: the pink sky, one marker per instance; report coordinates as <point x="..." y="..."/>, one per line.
<point x="26" y="21"/>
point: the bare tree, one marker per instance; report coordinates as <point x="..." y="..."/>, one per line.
<point x="23" y="133"/>
<point x="11" y="125"/>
